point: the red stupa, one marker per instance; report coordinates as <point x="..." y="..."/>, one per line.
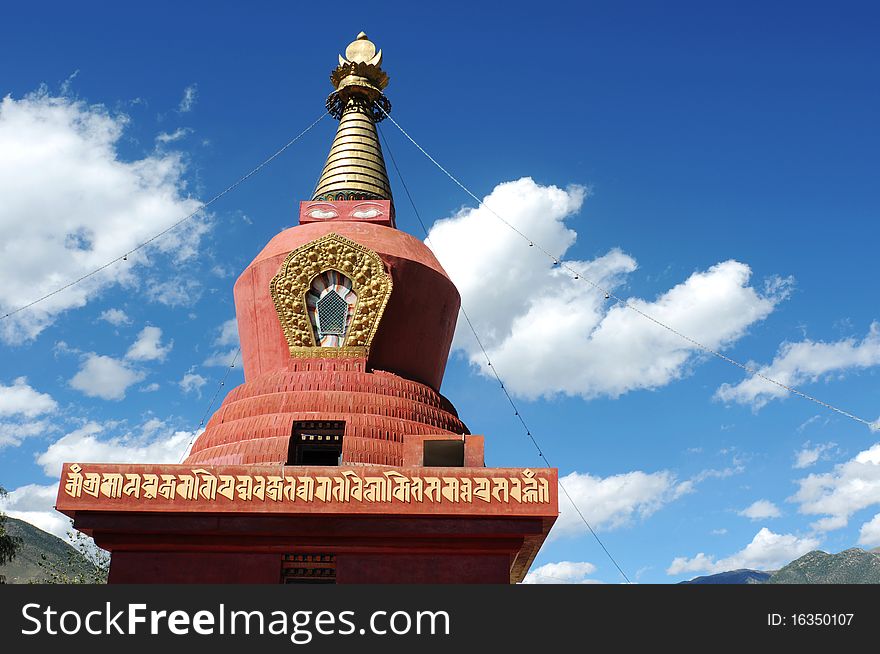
<point x="337" y="460"/>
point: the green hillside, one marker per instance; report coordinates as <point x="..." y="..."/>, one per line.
<point x="852" y="566"/>
<point x="60" y="558"/>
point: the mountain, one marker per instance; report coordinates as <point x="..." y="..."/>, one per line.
<point x="742" y="576"/>
<point x="61" y="558"/>
<point x="852" y="566"/>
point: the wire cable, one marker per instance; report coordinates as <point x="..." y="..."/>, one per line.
<point x="579" y="275"/>
<point x="202" y="207"/>
<point x="211" y="405"/>
<point x="513" y="405"/>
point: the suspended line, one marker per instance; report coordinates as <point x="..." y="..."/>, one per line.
<point x="579" y="275"/>
<point x="516" y="410"/>
<point x="211" y="405"/>
<point x="203" y="206"/>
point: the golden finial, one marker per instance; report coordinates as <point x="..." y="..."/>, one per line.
<point x="355" y="168"/>
<point x="359" y="73"/>
<point x="362" y="50"/>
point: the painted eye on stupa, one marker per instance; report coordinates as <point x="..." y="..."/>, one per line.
<point x="323" y="214"/>
<point x="366" y="211"/>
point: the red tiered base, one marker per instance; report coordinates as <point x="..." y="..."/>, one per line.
<point x="255" y="421"/>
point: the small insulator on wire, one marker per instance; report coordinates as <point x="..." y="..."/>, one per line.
<point x="531" y="245"/>
<point x="125" y="257"/>
<point x="577" y="277"/>
<point x="607" y="296"/>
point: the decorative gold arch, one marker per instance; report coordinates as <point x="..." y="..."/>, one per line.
<point x="369" y="281"/>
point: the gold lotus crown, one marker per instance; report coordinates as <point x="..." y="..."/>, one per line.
<point x="355" y="167"/>
<point x="361" y="68"/>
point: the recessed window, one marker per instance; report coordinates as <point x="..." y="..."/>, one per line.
<point x="330" y="302"/>
<point x="445" y="453"/>
<point x="316" y="443"/>
<point x="332" y="314"/>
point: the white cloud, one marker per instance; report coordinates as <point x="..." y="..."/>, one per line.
<point x="614" y="501"/>
<point x="109" y="378"/>
<point x="115" y="317"/>
<point x="20" y="405"/>
<point x="227" y="336"/>
<point x="563" y="572"/>
<point x="761" y="510"/>
<point x="149" y="388"/>
<point x="148" y="346"/>
<point x="13" y="433"/>
<point x="221" y="358"/>
<point x="851" y="486"/>
<point x="176" y="292"/>
<point x="811" y="420"/>
<point x="176" y="135"/>
<point x="190" y="93"/>
<point x="105" y="377"/>
<point x="869" y="534"/>
<point x="35" y="504"/>
<point x="71" y="204"/>
<point x="809" y="454"/>
<point x="228" y="333"/>
<point x="806" y="361"/>
<point x="610" y="350"/>
<point x="192" y="382"/>
<point x="767" y="551"/>
<point x="20" y="399"/>
<point x="152" y="442"/>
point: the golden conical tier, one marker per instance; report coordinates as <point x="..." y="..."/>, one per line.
<point x="355" y="168"/>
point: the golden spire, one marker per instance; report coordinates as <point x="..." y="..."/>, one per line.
<point x="355" y="168"/>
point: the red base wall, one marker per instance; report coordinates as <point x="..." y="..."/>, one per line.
<point x="423" y="569"/>
<point x="128" y="567"/>
<point x="132" y="567"/>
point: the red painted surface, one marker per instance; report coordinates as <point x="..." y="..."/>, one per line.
<point x="378" y="212"/>
<point x="415" y="332"/>
<point x="206" y="548"/>
<point x="414" y="447"/>
<point x="254" y="424"/>
<point x="132" y="567"/>
<point x="381" y="399"/>
<point x="487" y="568"/>
<point x="390" y="404"/>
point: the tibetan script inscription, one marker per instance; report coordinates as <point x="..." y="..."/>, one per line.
<point x="389" y="487"/>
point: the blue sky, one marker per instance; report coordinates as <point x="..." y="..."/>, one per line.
<point x="716" y="162"/>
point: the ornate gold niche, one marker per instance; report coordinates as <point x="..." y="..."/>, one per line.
<point x="369" y="281"/>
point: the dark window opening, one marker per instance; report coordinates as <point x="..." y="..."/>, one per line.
<point x="446" y="453"/>
<point x="316" y="443"/>
<point x="308" y="569"/>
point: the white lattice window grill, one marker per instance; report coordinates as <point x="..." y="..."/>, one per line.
<point x="332" y="314"/>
